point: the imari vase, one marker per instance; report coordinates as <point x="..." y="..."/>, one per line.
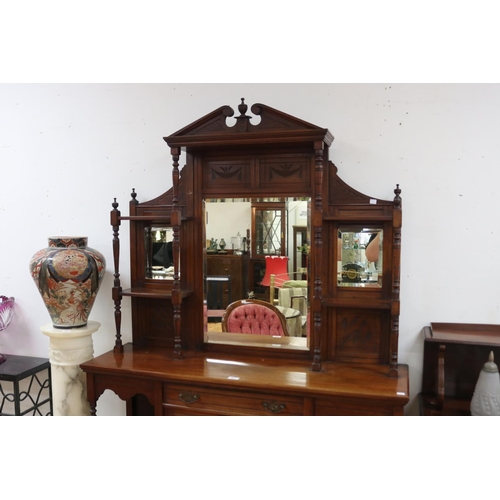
<point x="68" y="275"/>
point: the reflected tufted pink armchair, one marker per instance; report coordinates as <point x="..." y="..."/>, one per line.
<point x="255" y="317"/>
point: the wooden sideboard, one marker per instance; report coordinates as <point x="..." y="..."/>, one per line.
<point x="348" y="362"/>
<point x="218" y="384"/>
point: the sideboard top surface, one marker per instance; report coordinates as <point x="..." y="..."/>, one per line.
<point x="335" y="379"/>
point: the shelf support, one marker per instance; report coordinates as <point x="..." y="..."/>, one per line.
<point x="176" y="221"/>
<point x="117" y="289"/>
<point x="396" y="271"/>
<point x="317" y="220"/>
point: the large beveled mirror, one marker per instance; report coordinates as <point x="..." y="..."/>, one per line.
<point x="256" y="272"/>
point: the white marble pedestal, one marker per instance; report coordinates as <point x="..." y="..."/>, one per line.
<point x="69" y="347"/>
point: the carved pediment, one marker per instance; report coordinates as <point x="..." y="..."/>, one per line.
<point x="213" y="128"/>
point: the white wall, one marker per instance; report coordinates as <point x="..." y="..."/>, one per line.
<point x="67" y="150"/>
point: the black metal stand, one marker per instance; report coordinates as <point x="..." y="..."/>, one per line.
<point x="31" y="400"/>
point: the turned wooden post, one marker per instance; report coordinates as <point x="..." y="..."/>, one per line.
<point x="396" y="282"/>
<point x="117" y="289"/>
<point x="176" y="222"/>
<point x="317" y="221"/>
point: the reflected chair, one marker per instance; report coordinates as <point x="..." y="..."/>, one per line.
<point x="295" y="297"/>
<point x="254" y="317"/>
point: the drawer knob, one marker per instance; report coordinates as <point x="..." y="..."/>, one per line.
<point x="188" y="397"/>
<point x="274" y="406"/>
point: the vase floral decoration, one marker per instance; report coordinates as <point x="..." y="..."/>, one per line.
<point x="68" y="275"/>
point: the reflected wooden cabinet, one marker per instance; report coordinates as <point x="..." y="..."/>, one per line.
<point x="256" y="275"/>
<point x="347" y="363"/>
<point x="233" y="267"/>
<point x="268" y="228"/>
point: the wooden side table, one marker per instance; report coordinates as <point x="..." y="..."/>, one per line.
<point x="25" y="386"/>
<point x="454" y="354"/>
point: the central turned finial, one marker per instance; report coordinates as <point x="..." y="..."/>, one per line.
<point x="243" y="120"/>
<point x="242" y="108"/>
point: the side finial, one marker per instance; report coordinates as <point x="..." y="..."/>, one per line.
<point x="397" y="198"/>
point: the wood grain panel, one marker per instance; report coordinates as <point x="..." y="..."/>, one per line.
<point x="358" y="334"/>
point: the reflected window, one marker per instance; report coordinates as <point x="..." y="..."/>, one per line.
<point x="268" y="224"/>
<point x="360" y="257"/>
<point x="159" y="253"/>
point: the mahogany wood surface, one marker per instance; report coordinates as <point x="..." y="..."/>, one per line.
<point x="464" y="333"/>
<point x="339" y="388"/>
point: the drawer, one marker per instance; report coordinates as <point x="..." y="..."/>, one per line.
<point x="192" y="400"/>
<point x="217" y="264"/>
<point x="345" y="407"/>
<point x="224" y="265"/>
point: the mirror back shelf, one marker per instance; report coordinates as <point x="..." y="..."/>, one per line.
<point x="362" y="301"/>
<point x="281" y="156"/>
<point x="351" y="318"/>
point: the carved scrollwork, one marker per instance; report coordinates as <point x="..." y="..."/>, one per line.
<point x="226" y="172"/>
<point x="286" y="170"/>
<point x="71" y="357"/>
<point x="274" y="406"/>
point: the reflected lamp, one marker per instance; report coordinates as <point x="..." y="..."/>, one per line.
<point x="276" y="274"/>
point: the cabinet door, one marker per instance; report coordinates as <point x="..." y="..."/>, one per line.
<point x="268" y="224"/>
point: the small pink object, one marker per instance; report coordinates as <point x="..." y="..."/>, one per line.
<point x="6" y="311"/>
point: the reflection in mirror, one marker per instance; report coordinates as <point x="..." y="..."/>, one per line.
<point x="361" y="257"/>
<point x="158" y="253"/>
<point x="240" y="234"/>
<point x="268" y="221"/>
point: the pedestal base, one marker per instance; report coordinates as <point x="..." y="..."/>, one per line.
<point x="69" y="348"/>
